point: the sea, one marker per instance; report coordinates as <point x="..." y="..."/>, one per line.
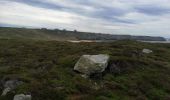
<point x="78" y="41"/>
<point x="156" y="41"/>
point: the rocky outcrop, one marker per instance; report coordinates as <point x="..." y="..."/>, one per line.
<point x="22" y="97"/>
<point x="10" y="85"/>
<point x="90" y="64"/>
<point x="147" y="51"/>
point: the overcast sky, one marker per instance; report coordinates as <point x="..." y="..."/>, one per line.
<point x="134" y="17"/>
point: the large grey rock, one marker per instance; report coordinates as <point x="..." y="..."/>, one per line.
<point x="22" y="97"/>
<point x="10" y="85"/>
<point x="90" y="64"/>
<point x="147" y="51"/>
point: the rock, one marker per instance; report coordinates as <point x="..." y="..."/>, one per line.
<point x="90" y="64"/>
<point x="147" y="51"/>
<point x="84" y="76"/>
<point x="22" y="97"/>
<point x="10" y="85"/>
<point x="5" y="91"/>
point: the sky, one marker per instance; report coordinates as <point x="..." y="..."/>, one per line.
<point x="133" y="17"/>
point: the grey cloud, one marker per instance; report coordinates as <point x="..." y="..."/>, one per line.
<point x="38" y="3"/>
<point x="152" y="10"/>
<point x="101" y="12"/>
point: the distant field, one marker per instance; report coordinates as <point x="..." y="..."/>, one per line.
<point x="65" y="35"/>
<point x="46" y="68"/>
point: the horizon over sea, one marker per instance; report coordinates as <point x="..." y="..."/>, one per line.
<point x="156" y="41"/>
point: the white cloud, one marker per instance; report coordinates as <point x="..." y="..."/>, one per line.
<point x="17" y="11"/>
<point x="25" y="15"/>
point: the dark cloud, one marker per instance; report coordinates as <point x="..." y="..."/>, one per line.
<point x="9" y="25"/>
<point x="101" y="12"/>
<point x="40" y="4"/>
<point x="107" y="11"/>
<point x="152" y="10"/>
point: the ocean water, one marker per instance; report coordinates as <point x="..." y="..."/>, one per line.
<point x="156" y="41"/>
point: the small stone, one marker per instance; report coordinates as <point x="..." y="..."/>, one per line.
<point x="10" y="85"/>
<point x="22" y="97"/>
<point x="84" y="76"/>
<point x="147" y="51"/>
<point x="5" y="91"/>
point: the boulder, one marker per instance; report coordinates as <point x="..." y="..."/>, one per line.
<point x="10" y="85"/>
<point x="90" y="64"/>
<point x="22" y="97"/>
<point x="147" y="51"/>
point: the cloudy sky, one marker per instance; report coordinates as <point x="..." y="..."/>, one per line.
<point x="135" y="17"/>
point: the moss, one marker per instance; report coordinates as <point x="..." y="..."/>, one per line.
<point x="46" y="67"/>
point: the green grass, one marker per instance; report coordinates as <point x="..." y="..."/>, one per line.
<point x="46" y="67"/>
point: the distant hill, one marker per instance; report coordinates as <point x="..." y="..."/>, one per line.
<point x="62" y="35"/>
